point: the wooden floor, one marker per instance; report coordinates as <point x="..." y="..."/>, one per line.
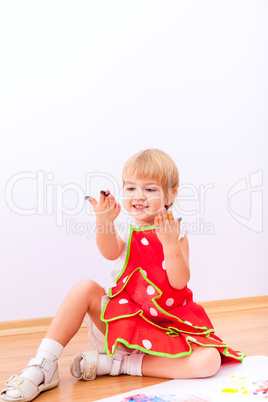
<point x="242" y="330"/>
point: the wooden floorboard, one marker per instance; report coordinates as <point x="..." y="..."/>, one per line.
<point x="242" y="330"/>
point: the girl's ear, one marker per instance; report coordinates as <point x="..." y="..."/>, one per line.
<point x="171" y="197"/>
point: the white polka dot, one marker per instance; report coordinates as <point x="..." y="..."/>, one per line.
<point x="188" y="323"/>
<point x="144" y="241"/>
<point x="125" y="279"/>
<point x="170" y="301"/>
<point x="144" y="272"/>
<point x="150" y="290"/>
<point x="147" y="344"/>
<point x="123" y="301"/>
<point x="191" y="338"/>
<point x="164" y="265"/>
<point x="153" y="312"/>
<point x="185" y="301"/>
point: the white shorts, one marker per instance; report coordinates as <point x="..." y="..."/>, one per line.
<point x="96" y="338"/>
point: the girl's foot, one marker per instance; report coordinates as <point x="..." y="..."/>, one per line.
<point x="40" y="375"/>
<point x="91" y="363"/>
<point x="21" y="388"/>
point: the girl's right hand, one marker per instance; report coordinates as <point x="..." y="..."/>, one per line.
<point x="106" y="208"/>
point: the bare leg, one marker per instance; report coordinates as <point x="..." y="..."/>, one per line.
<point x="203" y="362"/>
<point x="84" y="297"/>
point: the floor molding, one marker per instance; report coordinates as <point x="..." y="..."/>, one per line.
<point x="229" y="305"/>
<point x="35" y="325"/>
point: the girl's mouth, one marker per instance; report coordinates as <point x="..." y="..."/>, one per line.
<point x="139" y="207"/>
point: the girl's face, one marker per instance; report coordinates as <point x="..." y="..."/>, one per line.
<point x="142" y="199"/>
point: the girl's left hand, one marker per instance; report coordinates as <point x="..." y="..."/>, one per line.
<point x="106" y="208"/>
<point x="167" y="228"/>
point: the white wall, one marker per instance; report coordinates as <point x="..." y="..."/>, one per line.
<point x="84" y="84"/>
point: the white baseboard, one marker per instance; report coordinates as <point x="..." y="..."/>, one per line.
<point x="212" y="307"/>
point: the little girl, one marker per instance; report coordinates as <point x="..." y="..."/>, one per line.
<point x="147" y="323"/>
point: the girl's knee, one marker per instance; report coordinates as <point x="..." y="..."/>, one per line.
<point x="85" y="284"/>
<point x="210" y="362"/>
<point x="87" y="288"/>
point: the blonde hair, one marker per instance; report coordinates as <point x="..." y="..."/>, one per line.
<point x="153" y="164"/>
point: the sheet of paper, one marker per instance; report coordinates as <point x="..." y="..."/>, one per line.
<point x="245" y="381"/>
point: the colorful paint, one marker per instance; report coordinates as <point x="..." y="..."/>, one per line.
<point x="242" y="385"/>
<point x="164" y="398"/>
<point x="261" y="388"/>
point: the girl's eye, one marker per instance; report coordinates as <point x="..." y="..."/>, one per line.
<point x="130" y="188"/>
<point x="150" y="190"/>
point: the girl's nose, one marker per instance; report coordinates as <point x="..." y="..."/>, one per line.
<point x="139" y="195"/>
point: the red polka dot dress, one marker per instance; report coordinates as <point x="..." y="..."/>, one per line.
<point x="144" y="312"/>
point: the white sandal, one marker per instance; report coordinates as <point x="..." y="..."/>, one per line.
<point x="91" y="358"/>
<point x="27" y="389"/>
